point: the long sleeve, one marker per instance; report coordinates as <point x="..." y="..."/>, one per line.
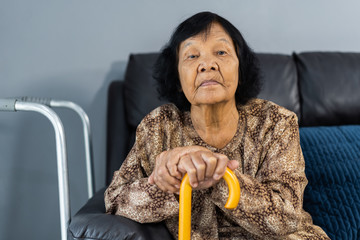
<point x="271" y="200"/>
<point x="129" y="193"/>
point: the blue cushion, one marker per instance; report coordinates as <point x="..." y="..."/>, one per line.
<point x="332" y="197"/>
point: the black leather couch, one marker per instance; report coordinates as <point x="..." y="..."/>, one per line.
<point x="322" y="88"/>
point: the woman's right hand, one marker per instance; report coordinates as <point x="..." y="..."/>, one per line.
<point x="204" y="168"/>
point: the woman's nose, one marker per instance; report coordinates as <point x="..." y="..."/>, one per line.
<point x="208" y="64"/>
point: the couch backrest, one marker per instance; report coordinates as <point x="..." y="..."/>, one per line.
<point x="322" y="88"/>
<point x="329" y="88"/>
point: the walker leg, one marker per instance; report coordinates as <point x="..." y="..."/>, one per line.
<point x="63" y="183"/>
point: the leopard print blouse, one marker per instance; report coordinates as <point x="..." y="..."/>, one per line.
<point x="271" y="176"/>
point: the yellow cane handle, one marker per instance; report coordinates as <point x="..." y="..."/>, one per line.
<point x="234" y="189"/>
<point x="185" y="201"/>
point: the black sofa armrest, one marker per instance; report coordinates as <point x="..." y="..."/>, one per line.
<point x="117" y="142"/>
<point x="91" y="222"/>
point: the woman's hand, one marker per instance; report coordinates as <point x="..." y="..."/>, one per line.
<point x="204" y="168"/>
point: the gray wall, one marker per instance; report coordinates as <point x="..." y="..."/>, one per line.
<point x="71" y="50"/>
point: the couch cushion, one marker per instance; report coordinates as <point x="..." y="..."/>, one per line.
<point x="279" y="74"/>
<point x="330" y="88"/>
<point x="332" y="197"/>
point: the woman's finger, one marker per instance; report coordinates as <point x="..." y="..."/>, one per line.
<point x="199" y="164"/>
<point x="211" y="162"/>
<point x="172" y="161"/>
<point x="165" y="186"/>
<point x="151" y="178"/>
<point x="222" y="161"/>
<point x="186" y="165"/>
<point x="233" y="164"/>
<point x="163" y="177"/>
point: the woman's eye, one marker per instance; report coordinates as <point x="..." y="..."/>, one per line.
<point x="192" y="56"/>
<point x="221" y="53"/>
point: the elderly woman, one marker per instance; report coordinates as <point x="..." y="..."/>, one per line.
<point x="214" y="121"/>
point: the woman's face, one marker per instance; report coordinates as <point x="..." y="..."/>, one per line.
<point x="208" y="67"/>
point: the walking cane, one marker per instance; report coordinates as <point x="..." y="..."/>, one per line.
<point x="185" y="201"/>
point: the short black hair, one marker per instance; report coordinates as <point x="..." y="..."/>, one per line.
<point x="166" y="67"/>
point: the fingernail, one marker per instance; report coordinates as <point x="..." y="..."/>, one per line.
<point x="217" y="176"/>
<point x="195" y="185"/>
<point x="177" y="186"/>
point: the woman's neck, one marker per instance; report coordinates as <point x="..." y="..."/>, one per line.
<point x="215" y="124"/>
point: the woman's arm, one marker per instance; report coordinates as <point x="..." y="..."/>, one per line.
<point x="271" y="201"/>
<point x="129" y="194"/>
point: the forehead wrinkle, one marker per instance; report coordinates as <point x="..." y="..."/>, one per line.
<point x="187" y="44"/>
<point x="204" y="35"/>
<point x="223" y="40"/>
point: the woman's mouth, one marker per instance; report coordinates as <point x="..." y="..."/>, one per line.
<point x="208" y="83"/>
